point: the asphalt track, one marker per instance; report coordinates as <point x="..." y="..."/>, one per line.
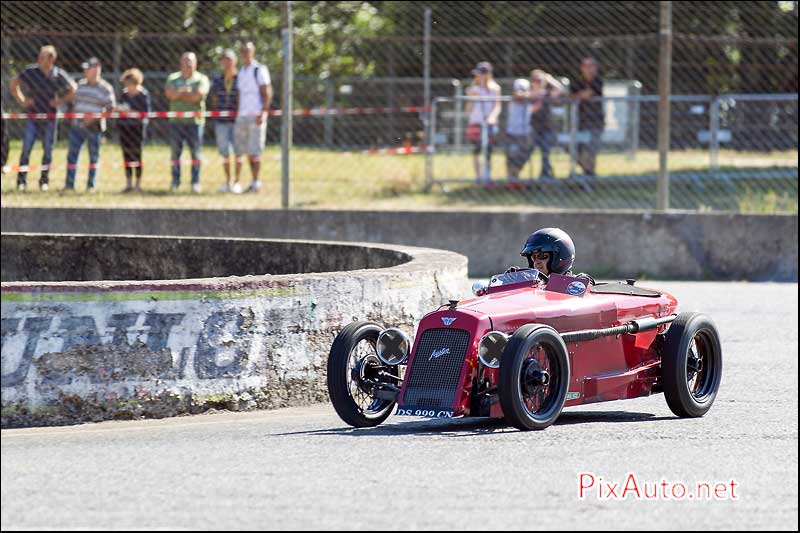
<point x="302" y="468"/>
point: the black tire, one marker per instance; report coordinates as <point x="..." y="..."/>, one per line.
<point x="349" y="401"/>
<point x="533" y="348"/>
<point x="690" y="387"/>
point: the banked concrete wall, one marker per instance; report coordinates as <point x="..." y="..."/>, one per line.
<point x="610" y="244"/>
<point x="95" y="350"/>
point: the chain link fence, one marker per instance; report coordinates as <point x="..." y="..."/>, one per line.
<point x="384" y="94"/>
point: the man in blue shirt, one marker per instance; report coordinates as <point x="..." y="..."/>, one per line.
<point x="225" y="97"/>
<point x="46" y="88"/>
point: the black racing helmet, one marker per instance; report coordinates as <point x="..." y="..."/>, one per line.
<point x="553" y="240"/>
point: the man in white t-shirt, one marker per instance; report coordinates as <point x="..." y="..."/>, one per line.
<point x="255" y="96"/>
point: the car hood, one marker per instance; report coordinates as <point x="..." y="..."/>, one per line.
<point x="509" y="308"/>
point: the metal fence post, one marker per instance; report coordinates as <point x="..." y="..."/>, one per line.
<point x="573" y="136"/>
<point x="116" y="65"/>
<point x="634" y="110"/>
<point x="713" y="130"/>
<point x="485" y="170"/>
<point x="458" y="127"/>
<point x="390" y="88"/>
<point x="509" y="60"/>
<point x="286" y="123"/>
<point x="328" y="128"/>
<point x="426" y="122"/>
<point x="117" y="62"/>
<point x="6" y="74"/>
<point x="664" y="91"/>
<point x="430" y="149"/>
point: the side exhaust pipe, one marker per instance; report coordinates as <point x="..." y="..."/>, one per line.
<point x="634" y="326"/>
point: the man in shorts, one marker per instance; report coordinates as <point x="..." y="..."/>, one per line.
<point x="518" y="129"/>
<point x="255" y="96"/>
<point x="224" y="96"/>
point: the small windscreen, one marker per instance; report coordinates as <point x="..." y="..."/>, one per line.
<point x="509" y="278"/>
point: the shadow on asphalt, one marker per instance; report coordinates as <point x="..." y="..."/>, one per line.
<point x="469" y="427"/>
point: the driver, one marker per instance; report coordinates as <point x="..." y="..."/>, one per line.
<point x="551" y="250"/>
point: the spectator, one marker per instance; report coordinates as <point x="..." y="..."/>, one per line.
<point x="5" y="143"/>
<point x="255" y="97"/>
<point x="135" y="98"/>
<point x="46" y="88"/>
<point x="94" y="95"/>
<point x="590" y="113"/>
<point x="186" y="91"/>
<point x="518" y="129"/>
<point x="225" y="97"/>
<point x="483" y="115"/>
<point x="544" y="88"/>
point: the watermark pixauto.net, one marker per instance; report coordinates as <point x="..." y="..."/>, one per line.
<point x="630" y="487"/>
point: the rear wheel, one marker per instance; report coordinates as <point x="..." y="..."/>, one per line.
<point x="691" y="365"/>
<point x="353" y="365"/>
<point x="534" y="377"/>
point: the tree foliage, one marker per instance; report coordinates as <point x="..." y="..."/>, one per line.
<point x="718" y="46"/>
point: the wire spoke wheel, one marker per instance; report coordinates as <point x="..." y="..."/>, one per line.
<point x="363" y="366"/>
<point x="534" y="375"/>
<point x="537" y="384"/>
<point x="353" y="372"/>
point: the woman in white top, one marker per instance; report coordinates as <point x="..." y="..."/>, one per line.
<point x="483" y="114"/>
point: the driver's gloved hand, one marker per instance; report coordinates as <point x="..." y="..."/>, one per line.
<point x="513" y="269"/>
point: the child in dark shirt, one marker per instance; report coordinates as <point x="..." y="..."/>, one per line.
<point x="131" y="130"/>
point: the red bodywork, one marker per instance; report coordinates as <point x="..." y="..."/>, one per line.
<point x="608" y="368"/>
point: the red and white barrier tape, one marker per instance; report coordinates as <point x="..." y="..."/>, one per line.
<point x="398" y="151"/>
<point x="313" y="112"/>
<point x="26" y="168"/>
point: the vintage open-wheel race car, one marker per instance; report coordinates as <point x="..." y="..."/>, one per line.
<point x="526" y="347"/>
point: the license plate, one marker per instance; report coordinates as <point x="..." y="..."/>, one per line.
<point x="424" y="412"/>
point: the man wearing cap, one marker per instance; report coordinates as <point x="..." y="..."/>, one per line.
<point x="225" y="97"/>
<point x="483" y="111"/>
<point x="93" y="95"/>
<point x="46" y="88"/>
<point x="186" y="91"/>
<point x="518" y="129"/>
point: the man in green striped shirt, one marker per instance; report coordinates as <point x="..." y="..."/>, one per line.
<point x="186" y="90"/>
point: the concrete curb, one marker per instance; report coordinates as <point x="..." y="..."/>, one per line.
<point x="89" y="351"/>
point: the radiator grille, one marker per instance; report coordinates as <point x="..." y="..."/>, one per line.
<point x="433" y="381"/>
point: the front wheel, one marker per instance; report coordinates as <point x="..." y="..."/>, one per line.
<point x="691" y="365"/>
<point x="534" y="377"/>
<point x="353" y="365"/>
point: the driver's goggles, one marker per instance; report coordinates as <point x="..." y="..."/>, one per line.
<point x="539" y="256"/>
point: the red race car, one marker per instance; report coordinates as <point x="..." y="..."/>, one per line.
<point x="525" y="348"/>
